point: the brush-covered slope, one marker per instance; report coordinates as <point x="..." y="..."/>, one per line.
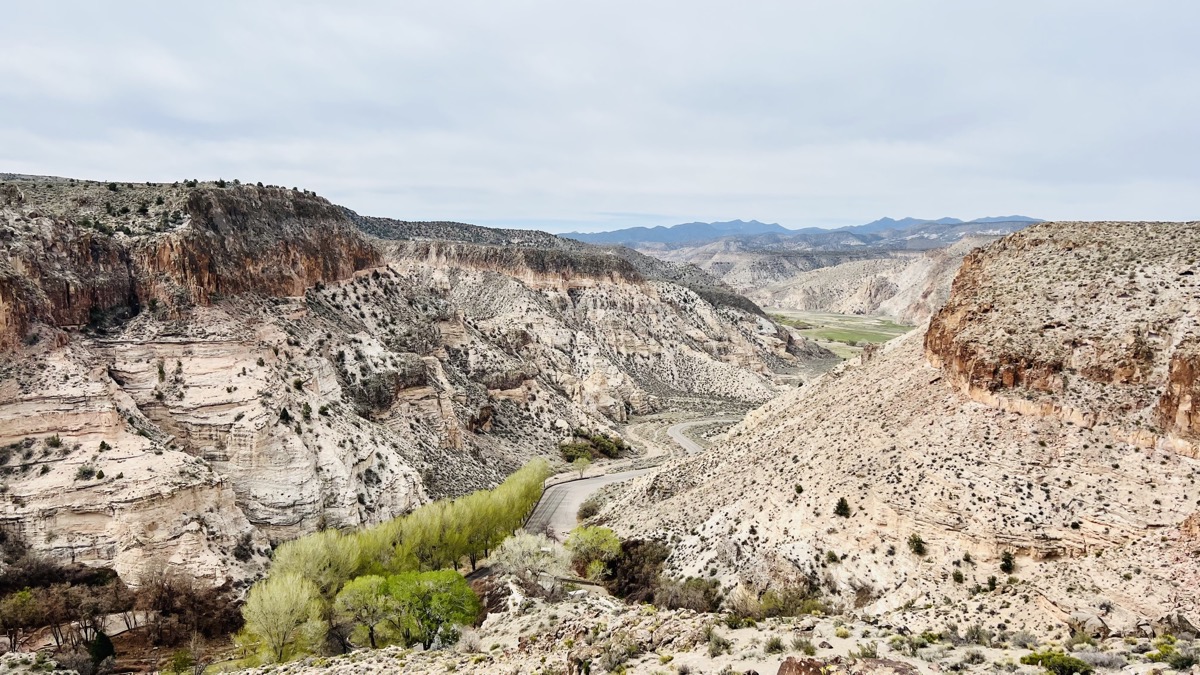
<point x="982" y="452"/>
<point x="192" y="372"/>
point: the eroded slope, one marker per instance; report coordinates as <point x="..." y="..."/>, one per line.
<point x="1100" y="521"/>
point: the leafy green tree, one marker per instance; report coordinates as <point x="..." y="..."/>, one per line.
<point x="1007" y="562"/>
<point x="327" y="558"/>
<point x="367" y="603"/>
<point x="481" y="525"/>
<point x="19" y="612"/>
<point x="431" y="605"/>
<point x="581" y="465"/>
<point x="589" y="544"/>
<point x="275" y="610"/>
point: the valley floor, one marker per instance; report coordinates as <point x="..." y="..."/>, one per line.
<point x="842" y="334"/>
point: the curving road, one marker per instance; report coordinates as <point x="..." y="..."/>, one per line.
<point x="559" y="504"/>
<point x="690" y="447"/>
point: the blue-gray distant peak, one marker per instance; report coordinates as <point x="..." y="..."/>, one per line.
<point x="1008" y="219"/>
<point x="678" y="234"/>
<point x="888" y="232"/>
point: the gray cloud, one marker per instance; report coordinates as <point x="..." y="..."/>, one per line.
<point x="590" y="115"/>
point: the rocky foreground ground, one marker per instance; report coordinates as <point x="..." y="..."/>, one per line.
<point x="532" y="636"/>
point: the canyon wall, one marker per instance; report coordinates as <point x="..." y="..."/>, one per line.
<point x="194" y="373"/>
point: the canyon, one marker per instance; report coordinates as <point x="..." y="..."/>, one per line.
<point x="194" y="372"/>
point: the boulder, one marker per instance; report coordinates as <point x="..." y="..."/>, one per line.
<point x="1088" y="624"/>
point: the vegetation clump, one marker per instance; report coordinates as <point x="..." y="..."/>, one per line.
<point x="592" y="446"/>
<point x="396" y="582"/>
<point x="916" y="544"/>
<point x="591" y="549"/>
<point x="1057" y="663"/>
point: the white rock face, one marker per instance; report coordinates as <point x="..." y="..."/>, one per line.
<point x="202" y="433"/>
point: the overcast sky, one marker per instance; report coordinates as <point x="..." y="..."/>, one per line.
<point x="597" y="115"/>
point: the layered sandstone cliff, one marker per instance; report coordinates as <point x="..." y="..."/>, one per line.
<point x="193" y="372"/>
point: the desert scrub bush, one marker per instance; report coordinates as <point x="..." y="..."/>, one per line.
<point x="842" y="632"/>
<point x="792" y="600"/>
<point x="1080" y="639"/>
<point x="978" y="635"/>
<point x="774" y="645"/>
<point x="718" y="645"/>
<point x="588" y="509"/>
<point x="916" y="544"/>
<point x="1183" y="659"/>
<point x="1024" y="640"/>
<point x="1007" y="562"/>
<point x="804" y="646"/>
<point x="908" y="644"/>
<point x="1057" y="663"/>
<point x="699" y="595"/>
<point x="973" y="657"/>
<point x="85" y="472"/>
<point x="842" y="509"/>
<point x="1164" y="647"/>
<point x="1168" y="651"/>
<point x="1106" y="660"/>
<point x="866" y="650"/>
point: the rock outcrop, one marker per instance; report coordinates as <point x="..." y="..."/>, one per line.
<point x="1106" y="334"/>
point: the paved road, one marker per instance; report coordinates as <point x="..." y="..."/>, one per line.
<point x="561" y="502"/>
<point x="676" y="432"/>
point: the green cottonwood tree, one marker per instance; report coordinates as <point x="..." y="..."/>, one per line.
<point x="589" y="544"/>
<point x="366" y="602"/>
<point x="431" y="605"/>
<point x="327" y="558"/>
<point x="275" y="610"/>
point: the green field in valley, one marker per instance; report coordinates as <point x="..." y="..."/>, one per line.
<point x="840" y="333"/>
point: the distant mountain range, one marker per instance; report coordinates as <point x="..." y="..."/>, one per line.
<point x="697" y="233"/>
<point x="678" y="234"/>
